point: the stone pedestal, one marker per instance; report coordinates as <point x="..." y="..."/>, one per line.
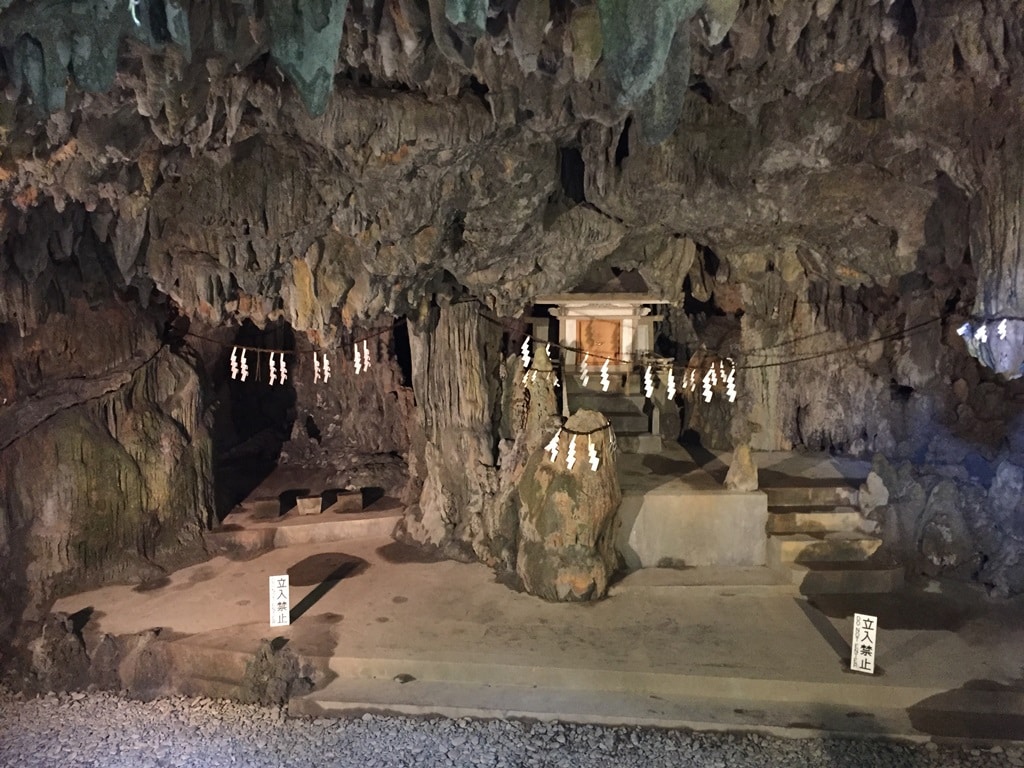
<point x="672" y="527"/>
<point x="309" y="505"/>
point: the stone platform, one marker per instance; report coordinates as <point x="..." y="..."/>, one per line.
<point x="674" y="513"/>
<point x="699" y="648"/>
<point x="288" y="509"/>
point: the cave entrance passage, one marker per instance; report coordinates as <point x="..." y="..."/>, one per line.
<point x="256" y="416"/>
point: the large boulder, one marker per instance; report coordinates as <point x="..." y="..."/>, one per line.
<point x="566" y="538"/>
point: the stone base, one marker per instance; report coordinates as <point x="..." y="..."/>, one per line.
<point x="642" y="443"/>
<point x="309" y="505"/>
<point x="672" y="527"/>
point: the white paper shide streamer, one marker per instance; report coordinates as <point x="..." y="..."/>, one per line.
<point x="709" y="382"/>
<point x="552" y="447"/>
<point x="592" y="452"/>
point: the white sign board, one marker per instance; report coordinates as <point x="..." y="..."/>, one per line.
<point x="280" y="601"/>
<point x="862" y="659"/>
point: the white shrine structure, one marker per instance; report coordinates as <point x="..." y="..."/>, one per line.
<point x="687" y="519"/>
<point x="613" y="322"/>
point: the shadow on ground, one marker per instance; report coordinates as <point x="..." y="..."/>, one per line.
<point x="908" y="609"/>
<point x="325" y="570"/>
<point x="952" y="715"/>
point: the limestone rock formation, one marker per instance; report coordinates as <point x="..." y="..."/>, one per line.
<point x="742" y="474"/>
<point x="566" y="537"/>
<point x="829" y="193"/>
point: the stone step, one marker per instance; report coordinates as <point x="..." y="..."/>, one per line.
<point x="626" y="423"/>
<point x="812" y="496"/>
<point x="638" y="442"/>
<point x="295" y="530"/>
<point x="711" y="580"/>
<point x="616" y="386"/>
<point x="865" y="577"/>
<point x="651" y="699"/>
<point x="346" y="698"/>
<point x="346" y="673"/>
<point x="782" y="520"/>
<point x="839" y="546"/>
<point x="606" y="402"/>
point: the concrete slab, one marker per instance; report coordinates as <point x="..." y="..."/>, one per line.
<point x="673" y="513"/>
<point x="715" y="580"/>
<point x="370" y="610"/>
<point x="815" y="520"/>
<point x="250" y="528"/>
<point x="672" y="525"/>
<point x="839" y="546"/>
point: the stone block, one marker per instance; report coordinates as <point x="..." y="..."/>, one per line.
<point x="674" y="527"/>
<point x="309" y="505"/>
<point x="347" y="502"/>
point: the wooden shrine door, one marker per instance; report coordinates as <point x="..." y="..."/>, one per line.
<point x="600" y="338"/>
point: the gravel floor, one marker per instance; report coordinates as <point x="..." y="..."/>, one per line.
<point x="106" y="730"/>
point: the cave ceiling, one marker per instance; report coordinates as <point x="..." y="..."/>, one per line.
<point x="326" y="162"/>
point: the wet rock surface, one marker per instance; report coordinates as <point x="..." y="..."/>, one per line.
<point x="105" y="730"/>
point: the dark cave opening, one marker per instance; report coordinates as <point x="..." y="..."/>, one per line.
<point x="622" y="147"/>
<point x="869" y="94"/>
<point x="402" y="352"/>
<point x="256" y="416"/>
<point x="905" y="14"/>
<point x="571" y="173"/>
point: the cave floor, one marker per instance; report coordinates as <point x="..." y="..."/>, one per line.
<point x="385" y="628"/>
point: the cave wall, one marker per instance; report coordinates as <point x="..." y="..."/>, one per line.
<point x="797" y="177"/>
<point x="105" y="453"/>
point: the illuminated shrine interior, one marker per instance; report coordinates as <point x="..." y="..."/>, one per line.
<point x="477" y="269"/>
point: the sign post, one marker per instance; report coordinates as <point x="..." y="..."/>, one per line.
<point x="280" y="601"/>
<point x="862" y="659"/>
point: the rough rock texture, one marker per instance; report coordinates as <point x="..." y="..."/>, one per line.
<point x="455" y="359"/>
<point x="826" y="192"/>
<point x="105" y="455"/>
<point x="954" y="527"/>
<point x="274" y="675"/>
<point x="742" y="474"/>
<point x="567" y="517"/>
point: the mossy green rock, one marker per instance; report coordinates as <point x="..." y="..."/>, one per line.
<point x="638" y="37"/>
<point x="306" y="36"/>
<point x="470" y="14"/>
